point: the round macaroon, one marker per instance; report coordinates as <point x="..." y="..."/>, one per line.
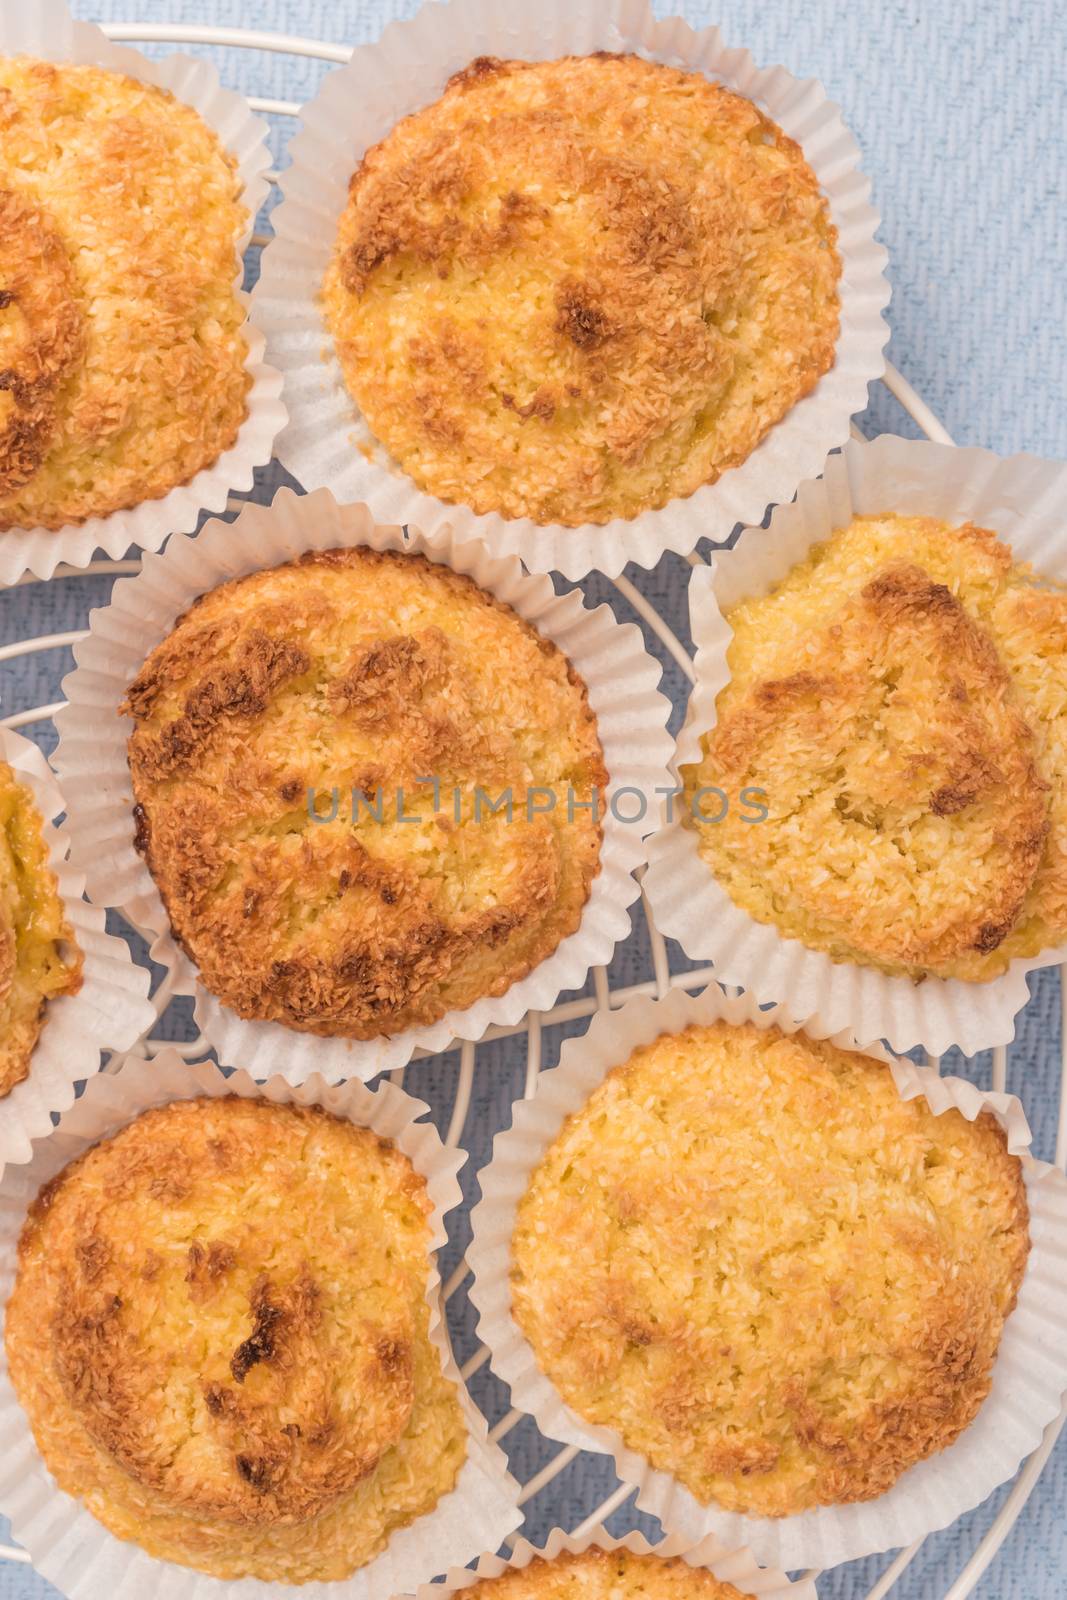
<point x="39" y="957"/>
<point x="574" y="290"/>
<point x="121" y="341"/>
<point x="599" y="1574"/>
<point x="220" y="1335"/>
<point x="773" y="1277"/>
<point x="366" y="791"/>
<point x="900" y="699"/>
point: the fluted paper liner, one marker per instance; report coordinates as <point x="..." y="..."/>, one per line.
<point x="328" y="444"/>
<point x="47" y="30"/>
<point x="738" y="1567"/>
<point x="65" y="1542"/>
<point x="1022" y="499"/>
<point x="610" y="656"/>
<point x="1029" y="1376"/>
<point x="111" y="1009"/>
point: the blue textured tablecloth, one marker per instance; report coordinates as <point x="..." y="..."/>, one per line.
<point x="960" y="110"/>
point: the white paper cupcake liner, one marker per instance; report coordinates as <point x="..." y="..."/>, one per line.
<point x="47" y="30"/>
<point x="65" y="1542"/>
<point x="111" y="1009"/>
<point x="738" y="1567"/>
<point x="1029" y="1376"/>
<point x="1023" y="500"/>
<point x="407" y="69"/>
<point x="610" y="656"/>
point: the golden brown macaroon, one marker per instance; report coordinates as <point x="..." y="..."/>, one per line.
<point x="901" y="699"/>
<point x="39" y="958"/>
<point x="122" y="361"/>
<point x="405" y="702"/>
<point x="606" y="1575"/>
<point x="573" y="290"/>
<point x="220" y="1335"/>
<point x="776" y="1279"/>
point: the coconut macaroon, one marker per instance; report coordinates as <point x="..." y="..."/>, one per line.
<point x="365" y="789"/>
<point x="597" y="1574"/>
<point x="228" y="1385"/>
<point x="901" y="699"/>
<point x="39" y="958"/>
<point x="573" y="290"/>
<point x="772" y="1276"/>
<point x="122" y="362"/>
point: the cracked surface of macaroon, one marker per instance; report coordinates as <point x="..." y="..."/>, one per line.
<point x="39" y="957"/>
<point x="216" y="1381"/>
<point x="389" y="691"/>
<point x="899" y="697"/>
<point x="574" y="290"/>
<point x="776" y="1279"/>
<point x="122" y="358"/>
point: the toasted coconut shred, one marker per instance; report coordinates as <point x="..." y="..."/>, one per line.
<point x="121" y="353"/>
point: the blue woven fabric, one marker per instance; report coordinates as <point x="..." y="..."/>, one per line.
<point x="959" y="109"/>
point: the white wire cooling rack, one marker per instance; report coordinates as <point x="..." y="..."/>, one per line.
<point x="605" y="993"/>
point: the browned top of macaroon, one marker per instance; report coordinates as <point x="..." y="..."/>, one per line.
<point x="186" y="1319"/>
<point x="379" y="688"/>
<point x="899" y="699"/>
<point x="573" y="290"/>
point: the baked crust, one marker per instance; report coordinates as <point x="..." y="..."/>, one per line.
<point x="607" y="1575"/>
<point x="354" y="676"/>
<point x="574" y="290"/>
<point x="39" y="958"/>
<point x="121" y="353"/>
<point x="42" y="337"/>
<point x="215" y="1379"/>
<point x="775" y="1278"/>
<point x="900" y="698"/>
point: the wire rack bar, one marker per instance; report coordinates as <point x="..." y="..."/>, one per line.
<point x="288" y="44"/>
